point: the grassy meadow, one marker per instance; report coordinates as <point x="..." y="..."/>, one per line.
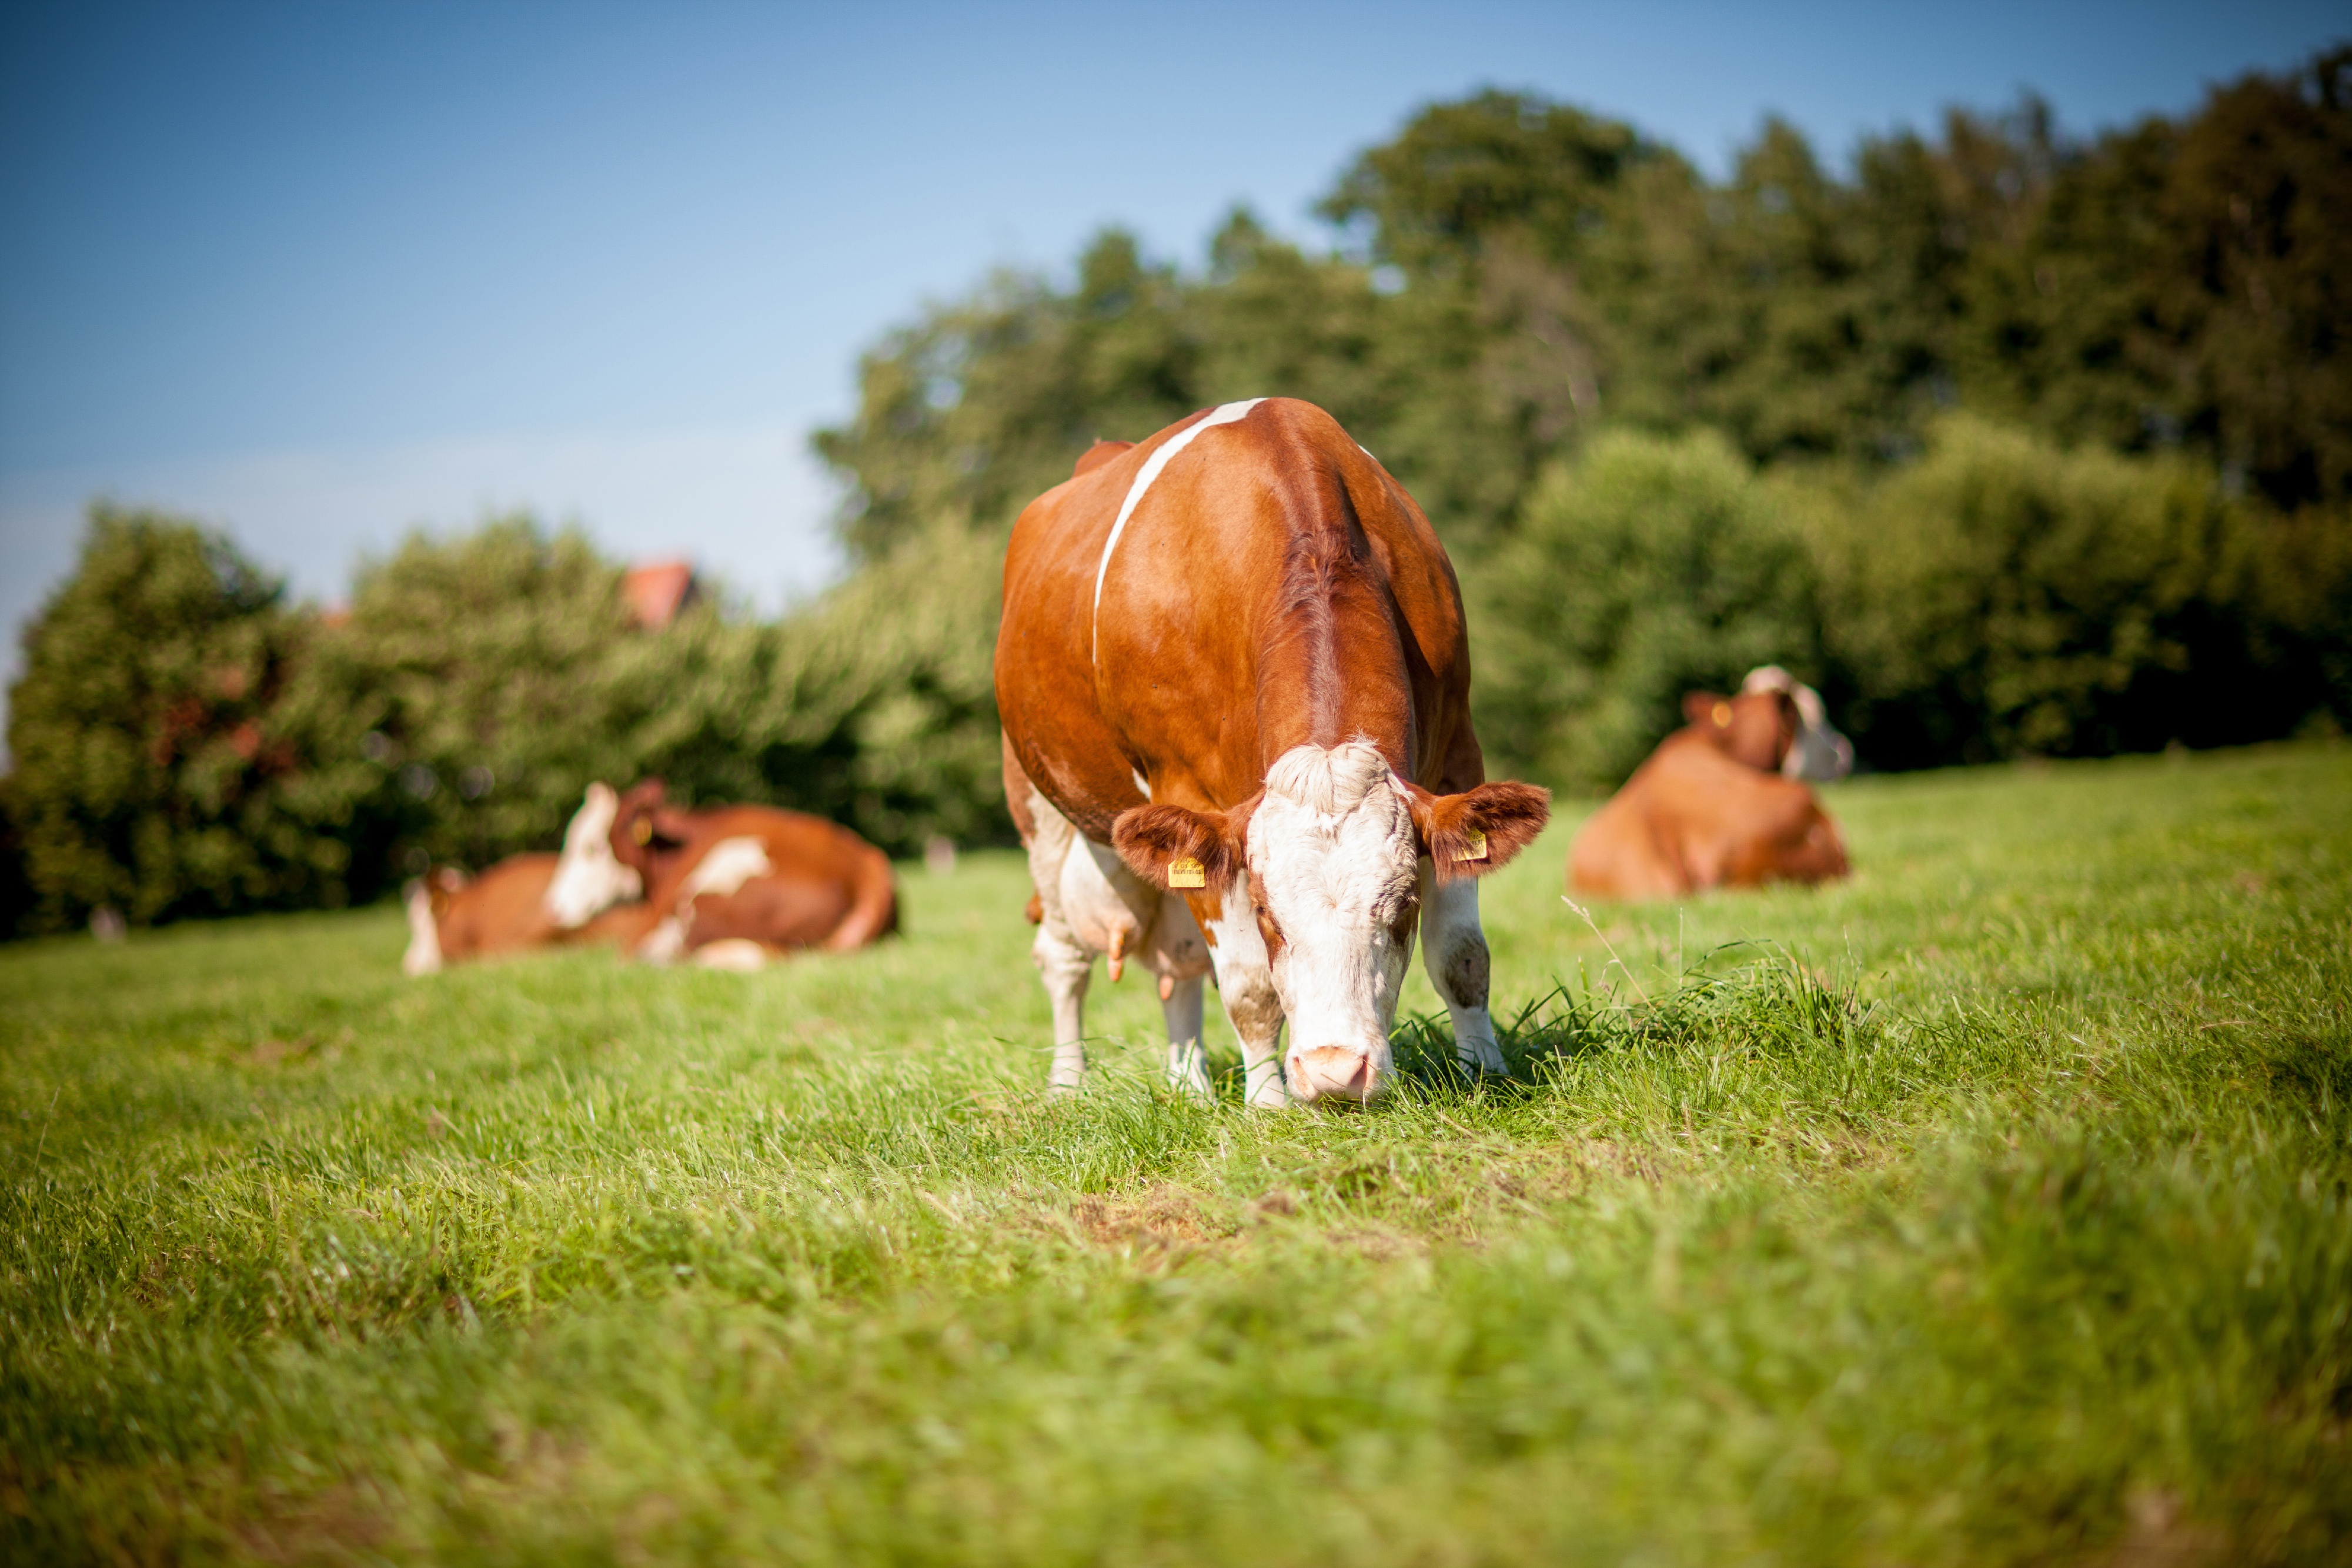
<point x="1991" y="1207"/>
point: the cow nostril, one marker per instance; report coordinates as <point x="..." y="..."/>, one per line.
<point x="1337" y="1073"/>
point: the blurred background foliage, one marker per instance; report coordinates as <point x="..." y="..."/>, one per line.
<point x="2014" y="444"/>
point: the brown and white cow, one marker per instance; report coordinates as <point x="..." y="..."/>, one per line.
<point x="1235" y="692"/>
<point x="453" y="918"/>
<point x="729" y="886"/>
<point x="1722" y="802"/>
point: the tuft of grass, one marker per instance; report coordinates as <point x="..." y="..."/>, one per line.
<point x="1991" y="1206"/>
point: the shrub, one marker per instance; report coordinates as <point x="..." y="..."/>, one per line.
<point x="149" y="771"/>
<point x="1647" y="567"/>
<point x="875" y="704"/>
<point x="2004" y="597"/>
<point x="458" y="709"/>
<point x="899" y="664"/>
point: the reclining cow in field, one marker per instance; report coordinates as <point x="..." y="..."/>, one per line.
<point x="1235" y="696"/>
<point x="729" y="886"/>
<point x="453" y="918"/>
<point x="1721" y="802"/>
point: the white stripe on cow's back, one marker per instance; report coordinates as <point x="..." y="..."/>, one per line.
<point x="1225" y="413"/>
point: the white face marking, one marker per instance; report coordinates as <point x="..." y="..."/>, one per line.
<point x="1152" y="468"/>
<point x="1332" y="844"/>
<point x="424" y="955"/>
<point x="589" y="877"/>
<point x="1141" y="783"/>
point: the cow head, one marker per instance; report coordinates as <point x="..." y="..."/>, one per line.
<point x="589" y="878"/>
<point x="427" y="900"/>
<point x="1755" y="729"/>
<point x="649" y="835"/>
<point x="1328" y="859"/>
<point x="1815" y="750"/>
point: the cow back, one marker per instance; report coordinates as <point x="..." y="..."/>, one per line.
<point x="1271" y="586"/>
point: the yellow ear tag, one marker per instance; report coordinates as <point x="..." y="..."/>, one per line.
<point x="1473" y="844"/>
<point x="1186" y="871"/>
<point x="1722" y="715"/>
<point x="643" y="831"/>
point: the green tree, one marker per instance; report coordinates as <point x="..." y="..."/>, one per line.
<point x="2184" y="283"/>
<point x="979" y="406"/>
<point x="150" y="773"/>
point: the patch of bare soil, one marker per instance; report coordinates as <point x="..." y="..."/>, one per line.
<point x="1161" y="1217"/>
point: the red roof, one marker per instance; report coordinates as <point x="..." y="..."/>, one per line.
<point x="657" y="591"/>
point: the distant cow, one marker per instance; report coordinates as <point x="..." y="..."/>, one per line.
<point x="1235" y="687"/>
<point x="453" y="918"/>
<point x="1721" y="803"/>
<point x="729" y="886"/>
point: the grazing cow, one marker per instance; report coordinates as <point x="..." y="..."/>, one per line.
<point x="452" y="918"/>
<point x="729" y="887"/>
<point x="1235" y="691"/>
<point x="1721" y="801"/>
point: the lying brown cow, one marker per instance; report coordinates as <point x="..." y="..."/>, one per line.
<point x="729" y="887"/>
<point x="1719" y="804"/>
<point x="453" y="918"/>
<point x="1235" y="653"/>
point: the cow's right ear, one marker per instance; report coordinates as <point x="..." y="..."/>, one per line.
<point x="1100" y="453"/>
<point x="1706" y="707"/>
<point x="1180" y="850"/>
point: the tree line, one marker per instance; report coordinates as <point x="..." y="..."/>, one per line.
<point x="2013" y="443"/>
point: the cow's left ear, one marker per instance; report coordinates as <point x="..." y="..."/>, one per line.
<point x="1183" y="850"/>
<point x="1479" y="829"/>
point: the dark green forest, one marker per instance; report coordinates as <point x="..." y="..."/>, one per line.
<point x="2015" y="442"/>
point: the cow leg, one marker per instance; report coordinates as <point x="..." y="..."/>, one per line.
<point x="1245" y="983"/>
<point x="1188" y="1067"/>
<point x="1065" y="965"/>
<point x="1454" y="951"/>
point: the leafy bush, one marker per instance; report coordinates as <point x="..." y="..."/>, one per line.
<point x="1647" y="567"/>
<point x="896" y="670"/>
<point x="458" y="709"/>
<point x="184" y="744"/>
<point x="2300" y="619"/>
<point x="150" y="773"/>
<point x="874" y="705"/>
<point x="2004" y="596"/>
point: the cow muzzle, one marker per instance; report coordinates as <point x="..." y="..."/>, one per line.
<point x="1340" y="1074"/>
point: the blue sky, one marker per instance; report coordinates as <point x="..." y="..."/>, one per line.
<point x="323" y="272"/>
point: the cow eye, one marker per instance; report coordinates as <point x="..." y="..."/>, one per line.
<point x="1267" y="926"/>
<point x="1271" y="932"/>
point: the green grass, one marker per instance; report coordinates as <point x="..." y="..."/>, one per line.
<point x="1990" y="1208"/>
